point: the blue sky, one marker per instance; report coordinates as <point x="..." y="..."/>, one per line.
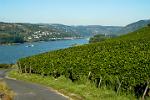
<point x="75" y="12"/>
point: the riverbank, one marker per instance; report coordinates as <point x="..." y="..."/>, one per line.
<point x="9" y="44"/>
<point x="52" y="39"/>
<point x="78" y="91"/>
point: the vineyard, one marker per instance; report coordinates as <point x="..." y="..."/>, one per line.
<point x="121" y="64"/>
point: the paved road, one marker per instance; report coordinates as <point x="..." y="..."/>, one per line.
<point x="30" y="91"/>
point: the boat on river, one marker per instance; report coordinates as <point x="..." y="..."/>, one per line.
<point x="31" y="45"/>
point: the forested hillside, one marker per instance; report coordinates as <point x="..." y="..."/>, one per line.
<point x="122" y="64"/>
<point x="26" y="32"/>
<point x="134" y="26"/>
<point x="129" y="28"/>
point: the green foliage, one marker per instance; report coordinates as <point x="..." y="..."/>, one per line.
<point x="83" y="90"/>
<point x="11" y="38"/>
<point x="122" y="64"/>
<point x="5" y="66"/>
<point x="99" y="38"/>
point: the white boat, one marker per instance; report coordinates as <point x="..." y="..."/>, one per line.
<point x="31" y="45"/>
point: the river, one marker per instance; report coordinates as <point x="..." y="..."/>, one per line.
<point x="10" y="54"/>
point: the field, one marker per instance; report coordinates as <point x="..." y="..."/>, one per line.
<point x="119" y="64"/>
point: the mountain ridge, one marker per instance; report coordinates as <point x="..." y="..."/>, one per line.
<point x="20" y="32"/>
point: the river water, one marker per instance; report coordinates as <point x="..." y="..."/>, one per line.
<point x="10" y="54"/>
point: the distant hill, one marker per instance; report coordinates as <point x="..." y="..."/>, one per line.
<point x="114" y="30"/>
<point x="26" y="32"/>
<point x="91" y="30"/>
<point x="134" y="26"/>
<point x="97" y="29"/>
<point x="120" y="31"/>
<point x="21" y="32"/>
<point x="34" y="32"/>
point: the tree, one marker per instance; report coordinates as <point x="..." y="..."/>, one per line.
<point x="148" y="25"/>
<point x="98" y="38"/>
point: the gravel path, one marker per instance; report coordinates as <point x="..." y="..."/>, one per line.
<point x="30" y="91"/>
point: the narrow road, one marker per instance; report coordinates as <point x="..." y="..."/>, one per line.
<point x="30" y="91"/>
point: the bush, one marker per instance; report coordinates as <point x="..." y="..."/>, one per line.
<point x="5" y="66"/>
<point x="98" y="38"/>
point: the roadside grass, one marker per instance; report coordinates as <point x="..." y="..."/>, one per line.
<point x="76" y="91"/>
<point x="5" y="92"/>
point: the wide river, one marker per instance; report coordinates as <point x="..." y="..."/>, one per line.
<point x="10" y="54"/>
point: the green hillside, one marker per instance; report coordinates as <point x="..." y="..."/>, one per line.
<point x="26" y="32"/>
<point x="121" y="64"/>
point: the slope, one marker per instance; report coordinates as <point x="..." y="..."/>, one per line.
<point x="121" y="64"/>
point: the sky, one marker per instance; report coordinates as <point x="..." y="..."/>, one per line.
<point x="75" y="12"/>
